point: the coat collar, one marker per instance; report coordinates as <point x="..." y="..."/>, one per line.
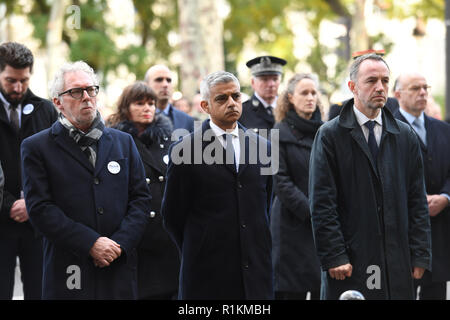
<point x="244" y="140"/>
<point x="347" y="118"/>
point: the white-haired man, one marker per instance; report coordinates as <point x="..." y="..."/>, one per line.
<point x="86" y="193"/>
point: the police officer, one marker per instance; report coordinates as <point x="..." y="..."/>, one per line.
<point x="257" y="112"/>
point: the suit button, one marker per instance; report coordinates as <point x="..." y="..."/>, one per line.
<point x="239" y="185"/>
<point x="244" y="225"/>
<point x="245" y="266"/>
<point x="152" y="214"/>
<point x="96" y="181"/>
<point x="161" y="178"/>
<point x="147" y="180"/>
<point x="100" y="210"/>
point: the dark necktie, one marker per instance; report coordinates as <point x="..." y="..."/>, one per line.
<point x="229" y="149"/>
<point x="269" y="110"/>
<point x="13" y="116"/>
<point x="373" y="147"/>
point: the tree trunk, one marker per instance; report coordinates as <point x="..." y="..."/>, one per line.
<point x="54" y="36"/>
<point x="360" y="38"/>
<point x="201" y="42"/>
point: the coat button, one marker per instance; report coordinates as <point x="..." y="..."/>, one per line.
<point x="96" y="181"/>
<point x="239" y="185"/>
<point x="100" y="210"/>
<point x="161" y="178"/>
<point x="245" y="266"/>
<point x="147" y="180"/>
<point x="161" y="146"/>
<point x="243" y="225"/>
<point x="152" y="214"/>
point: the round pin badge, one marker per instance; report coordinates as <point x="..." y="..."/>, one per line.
<point x="166" y="159"/>
<point x="113" y="167"/>
<point x="28" y="109"/>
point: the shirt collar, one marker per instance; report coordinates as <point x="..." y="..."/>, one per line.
<point x="5" y="102"/>
<point x="362" y="118"/>
<point x="410" y="118"/>
<point x="166" y="111"/>
<point x="265" y="104"/>
<point x="219" y="131"/>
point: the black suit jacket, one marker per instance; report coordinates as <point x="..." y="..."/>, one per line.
<point x="42" y="116"/>
<point x="254" y="115"/>
<point x="219" y="219"/>
<point x="436" y="159"/>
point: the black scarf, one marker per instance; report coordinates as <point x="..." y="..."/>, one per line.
<point x="158" y="131"/>
<point x="302" y="125"/>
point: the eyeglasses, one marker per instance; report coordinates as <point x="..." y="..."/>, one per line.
<point x="77" y="93"/>
<point x="417" y="88"/>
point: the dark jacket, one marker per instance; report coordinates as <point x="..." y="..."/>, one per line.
<point x="375" y="219"/>
<point x="2" y="183"/>
<point x="296" y="265"/>
<point x="157" y="253"/>
<point x="436" y="157"/>
<point x="254" y="115"/>
<point x="180" y="119"/>
<point x="41" y="117"/>
<point x="73" y="204"/>
<point x="219" y="220"/>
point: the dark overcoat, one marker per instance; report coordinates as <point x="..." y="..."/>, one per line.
<point x="375" y="219"/>
<point x="436" y="158"/>
<point x="158" y="258"/>
<point x="73" y="204"/>
<point x="254" y="115"/>
<point x="219" y="219"/>
<point x="296" y="266"/>
<point x="41" y="116"/>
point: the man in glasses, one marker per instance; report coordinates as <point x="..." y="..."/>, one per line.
<point x="86" y="193"/>
<point x="22" y="114"/>
<point x="412" y="92"/>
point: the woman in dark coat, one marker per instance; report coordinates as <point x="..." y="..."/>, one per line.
<point x="158" y="259"/>
<point x="296" y="266"/>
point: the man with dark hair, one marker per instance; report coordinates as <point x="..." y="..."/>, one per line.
<point x="22" y="114"/>
<point x="367" y="194"/>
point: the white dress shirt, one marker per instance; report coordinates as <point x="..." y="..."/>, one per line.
<point x="235" y="140"/>
<point x="377" y="129"/>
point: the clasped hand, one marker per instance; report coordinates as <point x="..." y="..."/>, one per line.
<point x="105" y="251"/>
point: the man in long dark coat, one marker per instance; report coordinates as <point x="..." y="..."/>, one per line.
<point x="85" y="191"/>
<point x="434" y="138"/>
<point x="216" y="202"/>
<point x="367" y="195"/>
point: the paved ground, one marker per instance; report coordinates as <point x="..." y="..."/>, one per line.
<point x="18" y="294"/>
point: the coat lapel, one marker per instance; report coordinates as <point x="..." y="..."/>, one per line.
<point x="66" y="143"/>
<point x="153" y="157"/>
<point x="104" y="147"/>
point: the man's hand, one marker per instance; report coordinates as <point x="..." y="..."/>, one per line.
<point x="18" y="211"/>
<point x="436" y="203"/>
<point x="339" y="273"/>
<point x="104" y="251"/>
<point x="418" y="272"/>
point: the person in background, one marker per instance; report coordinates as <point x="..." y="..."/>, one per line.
<point x="433" y="109"/>
<point x="86" y="193"/>
<point x="296" y="266"/>
<point x="434" y="138"/>
<point x="2" y="183"/>
<point x="184" y="105"/>
<point x="159" y="79"/>
<point x="158" y="259"/>
<point x="367" y="195"/>
<point x="258" y="111"/>
<point x="22" y="114"/>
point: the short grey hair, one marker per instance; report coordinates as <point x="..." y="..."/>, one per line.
<point x="354" y="68"/>
<point x="58" y="82"/>
<point x="214" y="79"/>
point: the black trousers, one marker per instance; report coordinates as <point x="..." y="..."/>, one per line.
<point x="433" y="291"/>
<point x="19" y="240"/>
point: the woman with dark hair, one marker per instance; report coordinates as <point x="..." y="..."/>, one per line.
<point x="158" y="259"/>
<point x="296" y="266"/>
